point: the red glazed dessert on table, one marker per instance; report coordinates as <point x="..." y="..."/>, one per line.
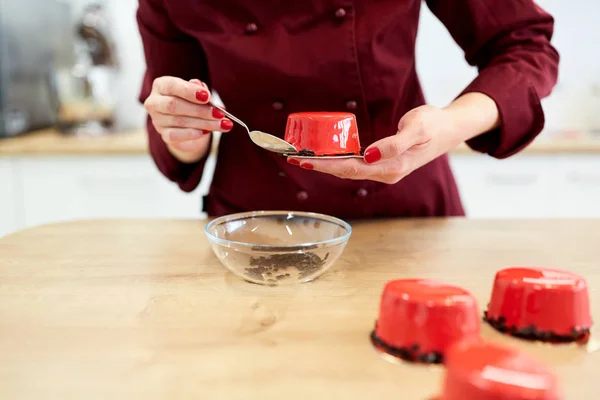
<point x="419" y="319"/>
<point x="323" y="133"/>
<point x="541" y="304"/>
<point x="478" y="370"/>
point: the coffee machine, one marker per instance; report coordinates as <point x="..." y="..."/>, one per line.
<point x="86" y="90"/>
<point x="36" y="40"/>
<point x="57" y="67"/>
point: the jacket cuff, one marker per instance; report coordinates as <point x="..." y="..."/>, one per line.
<point x="520" y="109"/>
<point x="187" y="176"/>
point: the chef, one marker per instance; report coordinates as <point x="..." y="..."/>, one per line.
<point x="266" y="61"/>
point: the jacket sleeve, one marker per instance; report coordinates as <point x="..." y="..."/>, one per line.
<point x="509" y="42"/>
<point x="169" y="52"/>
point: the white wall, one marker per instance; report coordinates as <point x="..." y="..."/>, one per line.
<point x="129" y="113"/>
<point x="575" y="102"/>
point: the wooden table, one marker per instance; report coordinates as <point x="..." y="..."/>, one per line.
<point x="143" y="310"/>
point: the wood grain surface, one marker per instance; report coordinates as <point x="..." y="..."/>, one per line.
<point x="142" y="309"/>
<point x="49" y="142"/>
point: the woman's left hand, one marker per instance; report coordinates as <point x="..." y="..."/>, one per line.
<point x="424" y="134"/>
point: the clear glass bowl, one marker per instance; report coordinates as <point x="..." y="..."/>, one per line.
<point x="278" y="247"/>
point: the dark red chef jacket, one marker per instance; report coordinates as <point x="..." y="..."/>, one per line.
<point x="267" y="59"/>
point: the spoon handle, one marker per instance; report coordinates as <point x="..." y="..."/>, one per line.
<point x="228" y="114"/>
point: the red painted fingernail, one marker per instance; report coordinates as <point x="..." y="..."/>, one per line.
<point x="307" y="166"/>
<point x="206" y="132"/>
<point x="372" y="155"/>
<point x="216" y="113"/>
<point x="202" y="96"/>
<point x="293" y="161"/>
<point x="226" y="124"/>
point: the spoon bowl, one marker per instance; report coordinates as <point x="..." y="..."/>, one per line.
<point x="271" y="143"/>
<point x="262" y="139"/>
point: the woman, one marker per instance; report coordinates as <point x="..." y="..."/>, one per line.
<point x="348" y="55"/>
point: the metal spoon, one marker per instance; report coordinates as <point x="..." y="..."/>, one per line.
<point x="262" y="139"/>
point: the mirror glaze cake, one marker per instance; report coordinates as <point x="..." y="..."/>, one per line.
<point x="419" y="319"/>
<point x="540" y="304"/>
<point x="476" y="370"/>
<point x="323" y="133"/>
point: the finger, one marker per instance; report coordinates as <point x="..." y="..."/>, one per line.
<point x="176" y="106"/>
<point x="188" y="145"/>
<point x="389" y="172"/>
<point x="199" y="83"/>
<point x="177" y="87"/>
<point x="346" y="169"/>
<point x="178" y="121"/>
<point x="175" y="135"/>
<point x="393" y="146"/>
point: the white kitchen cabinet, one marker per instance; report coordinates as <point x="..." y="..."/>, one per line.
<point x="578" y="182"/>
<point x="9" y="202"/>
<point x="66" y="188"/>
<point x="518" y="187"/>
<point x="41" y="190"/>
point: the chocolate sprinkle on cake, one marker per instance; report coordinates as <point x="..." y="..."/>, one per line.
<point x="532" y="333"/>
<point x="408" y="353"/>
<point x="306" y="153"/>
<point x="310" y="153"/>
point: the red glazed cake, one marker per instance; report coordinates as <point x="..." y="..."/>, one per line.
<point x="419" y="319"/>
<point x="540" y="303"/>
<point x="323" y="133"/>
<point x="482" y="371"/>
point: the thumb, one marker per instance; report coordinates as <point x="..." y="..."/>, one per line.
<point x="204" y="95"/>
<point x="390" y="147"/>
<point x="198" y="82"/>
<point x="386" y="149"/>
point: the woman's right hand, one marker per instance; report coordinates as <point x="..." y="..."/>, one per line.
<point x="180" y="115"/>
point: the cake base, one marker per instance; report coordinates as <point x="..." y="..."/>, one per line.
<point x="411" y="354"/>
<point x="310" y="153"/>
<point x="532" y="333"/>
<point x="306" y="153"/>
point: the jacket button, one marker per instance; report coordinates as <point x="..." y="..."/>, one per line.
<point x="340" y="13"/>
<point x="351" y="105"/>
<point x="302" y="196"/>
<point x="362" y="192"/>
<point x="277" y="105"/>
<point x="251" y="28"/>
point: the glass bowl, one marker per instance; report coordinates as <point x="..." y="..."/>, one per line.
<point x="278" y="247"/>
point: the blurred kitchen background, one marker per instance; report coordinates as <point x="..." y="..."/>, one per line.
<point x="72" y="143"/>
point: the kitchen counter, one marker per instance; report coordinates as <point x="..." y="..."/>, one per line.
<point x="142" y="309"/>
<point x="50" y="142"/>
